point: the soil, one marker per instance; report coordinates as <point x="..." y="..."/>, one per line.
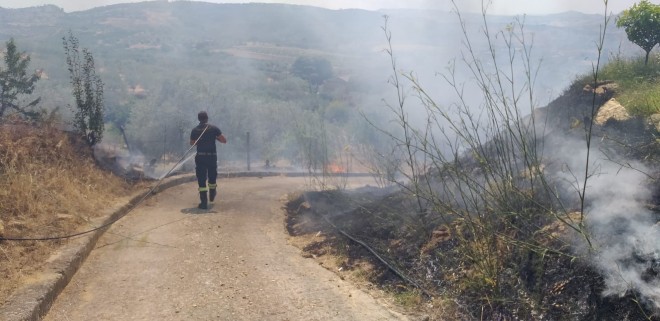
<point x="169" y="260"/>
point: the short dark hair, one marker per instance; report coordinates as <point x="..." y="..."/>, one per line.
<point x="203" y="117"/>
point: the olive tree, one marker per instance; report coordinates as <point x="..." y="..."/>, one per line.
<point x="642" y="25"/>
<point x="15" y="82"/>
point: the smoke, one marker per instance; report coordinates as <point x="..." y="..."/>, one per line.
<point x="626" y="238"/>
<point x="134" y="164"/>
<point x="161" y="173"/>
<point x="624" y="234"/>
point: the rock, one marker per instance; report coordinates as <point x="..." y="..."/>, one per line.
<point x="612" y="109"/>
<point x="2" y="228"/>
<point x="602" y="88"/>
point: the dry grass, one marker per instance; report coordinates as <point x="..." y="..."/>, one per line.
<point x="49" y="185"/>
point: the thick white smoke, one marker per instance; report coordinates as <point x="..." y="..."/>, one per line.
<point x="624" y="233"/>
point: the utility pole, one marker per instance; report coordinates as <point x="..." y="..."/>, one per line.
<point x="248" y="151"/>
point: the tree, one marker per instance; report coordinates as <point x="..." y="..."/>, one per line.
<point x="642" y="25"/>
<point x="15" y="82"/>
<point x="314" y="70"/>
<point x="119" y="115"/>
<point x="87" y="91"/>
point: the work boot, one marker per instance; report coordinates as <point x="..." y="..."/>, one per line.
<point x="203" y="201"/>
<point x="212" y="191"/>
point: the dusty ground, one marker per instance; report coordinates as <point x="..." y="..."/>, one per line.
<point x="170" y="261"/>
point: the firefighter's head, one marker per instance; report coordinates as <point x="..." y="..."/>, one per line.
<point x="203" y="117"/>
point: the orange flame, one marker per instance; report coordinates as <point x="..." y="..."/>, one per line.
<point x="335" y="168"/>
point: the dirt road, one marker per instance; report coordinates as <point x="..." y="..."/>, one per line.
<point x="168" y="260"/>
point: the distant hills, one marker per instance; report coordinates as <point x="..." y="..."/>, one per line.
<point x="157" y="31"/>
<point x="172" y="59"/>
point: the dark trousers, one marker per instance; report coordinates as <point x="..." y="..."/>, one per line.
<point x="206" y="168"/>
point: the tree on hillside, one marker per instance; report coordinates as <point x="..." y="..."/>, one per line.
<point x="87" y="91"/>
<point x="15" y="82"/>
<point x="642" y="25"/>
<point x="313" y="69"/>
<point x="119" y="115"/>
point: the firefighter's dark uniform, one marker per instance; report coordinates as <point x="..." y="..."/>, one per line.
<point x="206" y="166"/>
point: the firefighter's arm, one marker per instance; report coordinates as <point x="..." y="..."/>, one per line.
<point x="221" y="138"/>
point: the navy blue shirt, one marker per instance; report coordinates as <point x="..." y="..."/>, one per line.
<point x="205" y="144"/>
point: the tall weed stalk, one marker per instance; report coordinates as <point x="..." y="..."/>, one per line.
<point x="482" y="168"/>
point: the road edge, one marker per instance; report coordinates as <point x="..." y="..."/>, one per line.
<point x="32" y="301"/>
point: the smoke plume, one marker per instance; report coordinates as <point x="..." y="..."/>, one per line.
<point x="624" y="234"/>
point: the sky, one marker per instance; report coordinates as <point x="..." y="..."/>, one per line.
<point x="504" y="7"/>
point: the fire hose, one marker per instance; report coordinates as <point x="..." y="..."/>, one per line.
<point x="396" y="271"/>
<point x="184" y="159"/>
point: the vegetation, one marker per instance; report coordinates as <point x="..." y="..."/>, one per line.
<point x="49" y="186"/>
<point x="16" y="82"/>
<point x="479" y="172"/>
<point x="639" y="84"/>
<point x="313" y="69"/>
<point x="642" y="25"/>
<point x="491" y="204"/>
<point x="87" y="91"/>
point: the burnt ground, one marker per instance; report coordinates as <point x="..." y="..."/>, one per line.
<point x="313" y="219"/>
<point x="549" y="287"/>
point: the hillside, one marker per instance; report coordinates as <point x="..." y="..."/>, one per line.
<point x="51" y="186"/>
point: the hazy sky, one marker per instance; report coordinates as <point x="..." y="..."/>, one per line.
<point x="497" y="6"/>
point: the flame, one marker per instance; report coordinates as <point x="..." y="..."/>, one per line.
<point x="335" y="168"/>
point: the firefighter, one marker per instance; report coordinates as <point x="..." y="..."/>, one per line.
<point x="206" y="167"/>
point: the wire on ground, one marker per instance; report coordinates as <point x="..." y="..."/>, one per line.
<point x="61" y="237"/>
<point x="380" y="258"/>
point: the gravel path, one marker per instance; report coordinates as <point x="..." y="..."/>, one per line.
<point x="168" y="260"/>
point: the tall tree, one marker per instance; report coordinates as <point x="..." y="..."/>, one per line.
<point x="16" y="82"/>
<point x="87" y="91"/>
<point x="642" y="25"/>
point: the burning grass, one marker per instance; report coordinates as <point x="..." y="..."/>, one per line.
<point x="49" y="186"/>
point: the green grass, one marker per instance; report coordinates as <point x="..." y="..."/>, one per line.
<point x="644" y="100"/>
<point x="639" y="84"/>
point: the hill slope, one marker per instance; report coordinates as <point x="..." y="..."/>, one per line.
<point x="50" y="186"/>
